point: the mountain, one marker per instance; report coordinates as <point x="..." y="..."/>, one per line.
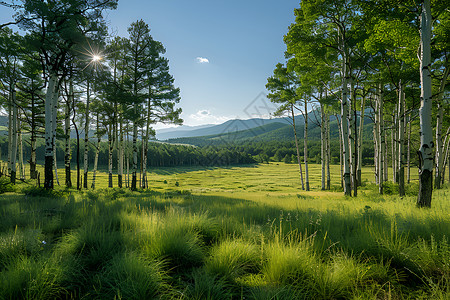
<point x="273" y="131"/>
<point x="228" y="126"/>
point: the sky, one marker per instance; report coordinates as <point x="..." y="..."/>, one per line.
<point x="220" y="52"/>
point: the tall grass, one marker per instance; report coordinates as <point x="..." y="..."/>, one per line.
<point x="238" y="235"/>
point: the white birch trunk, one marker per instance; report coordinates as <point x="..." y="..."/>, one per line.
<point x="299" y="160"/>
<point x="360" y="137"/>
<point x="86" y="137"/>
<point x="401" y="141"/>
<point x="323" y="142"/>
<point x="49" y="141"/>
<point x="426" y="130"/>
<point x="439" y="119"/>
<point x="305" y="139"/>
<point x="381" y="152"/>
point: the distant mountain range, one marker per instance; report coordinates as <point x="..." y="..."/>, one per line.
<point x="273" y="130"/>
<point x="226" y="127"/>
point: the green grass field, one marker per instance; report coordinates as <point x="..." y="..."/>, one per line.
<point x="245" y="232"/>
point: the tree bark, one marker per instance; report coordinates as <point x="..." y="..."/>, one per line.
<point x="86" y="137"/>
<point x="322" y="144"/>
<point x="14" y="135"/>
<point x="97" y="151"/>
<point x="49" y="141"/>
<point x="297" y="147"/>
<point x="344" y="121"/>
<point x="360" y="136"/>
<point x="135" y="153"/>
<point x="305" y="139"/>
<point x="381" y="152"/>
<point x="120" y="157"/>
<point x="110" y="155"/>
<point x="67" y="156"/>
<point x="426" y="132"/>
<point x="33" y="172"/>
<point x="439" y="119"/>
<point x="401" y="141"/>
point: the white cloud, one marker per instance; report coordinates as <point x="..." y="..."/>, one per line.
<point x="204" y="116"/>
<point x="202" y="60"/>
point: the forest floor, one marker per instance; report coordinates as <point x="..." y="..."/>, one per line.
<point x="246" y="232"/>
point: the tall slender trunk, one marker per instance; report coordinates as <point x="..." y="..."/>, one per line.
<point x="323" y="150"/>
<point x="120" y="157"/>
<point x="54" y="124"/>
<point x="344" y="119"/>
<point x="297" y="148"/>
<point x="49" y="137"/>
<point x="67" y="155"/>
<point x="14" y="134"/>
<point x="394" y="152"/>
<point x="341" y="150"/>
<point x="376" y="144"/>
<point x="20" y="146"/>
<point x="86" y="137"/>
<point x="408" y="155"/>
<point x="401" y="138"/>
<point x="360" y="135"/>
<point x="328" y="152"/>
<point x="97" y="151"/>
<point x="33" y="172"/>
<point x="305" y="139"/>
<point x="426" y="130"/>
<point x="351" y="133"/>
<point x="439" y="119"/>
<point x="135" y="152"/>
<point x="78" y="147"/>
<point x="10" y="129"/>
<point x="381" y="152"/>
<point x="110" y="155"/>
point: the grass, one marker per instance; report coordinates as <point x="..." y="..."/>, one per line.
<point x="223" y="233"/>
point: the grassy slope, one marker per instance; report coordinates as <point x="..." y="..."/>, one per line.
<point x="224" y="233"/>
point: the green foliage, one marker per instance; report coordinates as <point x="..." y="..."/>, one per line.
<point x="5" y="185"/>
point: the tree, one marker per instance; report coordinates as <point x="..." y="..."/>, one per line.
<point x="283" y="90"/>
<point x="54" y="28"/>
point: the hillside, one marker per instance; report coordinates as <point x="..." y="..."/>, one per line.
<point x="276" y="131"/>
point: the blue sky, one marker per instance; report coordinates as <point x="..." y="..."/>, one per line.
<point x="242" y="41"/>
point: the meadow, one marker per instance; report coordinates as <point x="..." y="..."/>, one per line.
<point x="246" y="232"/>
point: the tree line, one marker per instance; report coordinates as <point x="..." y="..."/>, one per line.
<point x="65" y="72"/>
<point x="386" y="57"/>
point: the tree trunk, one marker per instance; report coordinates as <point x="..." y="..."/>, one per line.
<point x="408" y="154"/>
<point x="54" y="124"/>
<point x="360" y="137"/>
<point x="33" y="172"/>
<point x="401" y="141"/>
<point x="394" y="152"/>
<point x="344" y="121"/>
<point x="381" y="152"/>
<point x="14" y="135"/>
<point x="323" y="144"/>
<point x="49" y="141"/>
<point x="120" y="158"/>
<point x="305" y="139"/>
<point x="439" y="119"/>
<point x="297" y="148"/>
<point x="327" y="120"/>
<point x="426" y="130"/>
<point x="341" y="155"/>
<point x="97" y="151"/>
<point x="67" y="156"/>
<point x="351" y="133"/>
<point x="110" y="155"/>
<point x="135" y="154"/>
<point x="20" y="146"/>
<point x="86" y="138"/>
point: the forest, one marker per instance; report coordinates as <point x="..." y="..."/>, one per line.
<point x="335" y="202"/>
